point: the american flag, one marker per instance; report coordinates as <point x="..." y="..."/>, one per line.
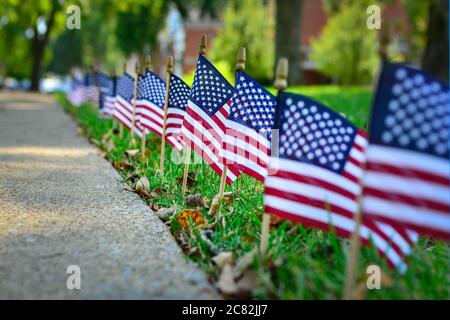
<point x="204" y="123"/>
<point x="123" y="108"/>
<point x="316" y="176"/>
<point x="150" y="102"/>
<point x="90" y="90"/>
<point x="248" y="136"/>
<point x="76" y="92"/>
<point x="107" y="88"/>
<point x="407" y="178"/>
<point x="178" y="99"/>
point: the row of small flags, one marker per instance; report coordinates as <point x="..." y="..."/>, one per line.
<point x="324" y="170"/>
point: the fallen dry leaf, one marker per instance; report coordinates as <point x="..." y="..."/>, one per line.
<point x="142" y="187"/>
<point x="132" y="153"/>
<point x="244" y="262"/>
<point x="188" y="215"/>
<point x="227" y="199"/>
<point x="195" y="200"/>
<point x="246" y="284"/>
<point x="156" y="192"/>
<point x="226" y="283"/>
<point x="225" y="257"/>
<point x="166" y="213"/>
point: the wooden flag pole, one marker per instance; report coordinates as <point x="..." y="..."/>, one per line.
<point x="166" y="107"/>
<point x="355" y="244"/>
<point x="120" y="123"/>
<point x="148" y="66"/>
<point x="133" y="120"/>
<point x="280" y="84"/>
<point x="352" y="260"/>
<point x="202" y="52"/>
<point x="240" y="65"/>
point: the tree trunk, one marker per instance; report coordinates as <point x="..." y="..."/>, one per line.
<point x="288" y="41"/>
<point x="38" y="45"/>
<point x="435" y="58"/>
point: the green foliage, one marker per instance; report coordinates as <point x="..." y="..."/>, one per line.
<point x="250" y="25"/>
<point x="346" y="50"/>
<point x="418" y="15"/>
<point x="223" y="67"/>
<point x="304" y="263"/>
<point x="138" y="25"/>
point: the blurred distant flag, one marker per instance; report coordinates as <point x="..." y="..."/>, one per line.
<point x="150" y="102"/>
<point x="204" y="123"/>
<point x="248" y="136"/>
<point x="76" y="92"/>
<point x="316" y="177"/>
<point x="178" y="99"/>
<point x="407" y="179"/>
<point x="90" y="90"/>
<point x="107" y="98"/>
<point x="123" y="107"/>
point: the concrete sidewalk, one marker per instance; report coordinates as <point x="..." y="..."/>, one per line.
<point x="62" y="204"/>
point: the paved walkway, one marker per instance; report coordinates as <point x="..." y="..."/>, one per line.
<point x="62" y="204"/>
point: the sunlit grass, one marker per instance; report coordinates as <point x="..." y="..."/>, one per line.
<point x="304" y="263"/>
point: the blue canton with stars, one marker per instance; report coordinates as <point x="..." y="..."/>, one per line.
<point x="411" y="111"/>
<point x="252" y="105"/>
<point x="178" y="93"/>
<point x="151" y="88"/>
<point x="125" y="87"/>
<point x="210" y="90"/>
<point x="105" y="82"/>
<point x="311" y="132"/>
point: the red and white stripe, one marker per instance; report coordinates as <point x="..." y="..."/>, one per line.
<point x="108" y="105"/>
<point x="204" y="135"/>
<point x="320" y="198"/>
<point x="408" y="188"/>
<point x="149" y="116"/>
<point x="246" y="148"/>
<point x="123" y="112"/>
<point x="174" y="123"/>
<point x="76" y="96"/>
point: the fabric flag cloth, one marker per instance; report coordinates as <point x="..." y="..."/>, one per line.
<point x="76" y="93"/>
<point x="204" y="123"/>
<point x="107" y="88"/>
<point x="90" y="90"/>
<point x="248" y="136"/>
<point x="123" y="107"/>
<point x="178" y="99"/>
<point x="407" y="178"/>
<point x="150" y="102"/>
<point x="315" y="179"/>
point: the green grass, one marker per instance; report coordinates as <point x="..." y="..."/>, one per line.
<point x="303" y="263"/>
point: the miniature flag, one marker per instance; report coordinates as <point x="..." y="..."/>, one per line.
<point x="178" y="99"/>
<point x="123" y="108"/>
<point x="204" y="123"/>
<point x="316" y="177"/>
<point x="107" y="89"/>
<point x="407" y="178"/>
<point x="76" y="93"/>
<point x="248" y="136"/>
<point x="150" y="102"/>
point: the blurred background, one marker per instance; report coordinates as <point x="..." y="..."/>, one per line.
<point x="326" y="41"/>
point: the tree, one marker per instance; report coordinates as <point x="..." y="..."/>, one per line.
<point x="435" y="57"/>
<point x="287" y="37"/>
<point x="346" y="51"/>
<point x="248" y="24"/>
<point x="33" y="22"/>
<point x="138" y="24"/>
